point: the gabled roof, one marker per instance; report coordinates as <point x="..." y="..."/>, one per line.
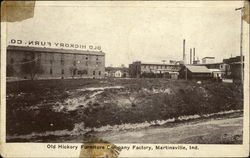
<point x="53" y="50"/>
<point x="198" y="69"/>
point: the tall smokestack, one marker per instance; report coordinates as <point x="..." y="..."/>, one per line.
<point x="184" y="57"/>
<point x="190" y="55"/>
<point x="194" y="54"/>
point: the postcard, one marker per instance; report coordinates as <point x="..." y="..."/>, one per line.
<point x="125" y="79"/>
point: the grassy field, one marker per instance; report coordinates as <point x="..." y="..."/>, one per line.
<point x="38" y="106"/>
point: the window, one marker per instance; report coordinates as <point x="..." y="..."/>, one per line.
<point x="11" y="60"/>
<point x="96" y="57"/>
<point x="51" y="58"/>
<point x="62" y="71"/>
<point x="74" y="63"/>
<point x="62" y="61"/>
<point x="51" y="72"/>
<point x="93" y="72"/>
<point x="99" y="72"/>
<point x="86" y="58"/>
<point x="39" y="57"/>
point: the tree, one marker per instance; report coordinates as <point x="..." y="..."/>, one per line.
<point x="31" y="67"/>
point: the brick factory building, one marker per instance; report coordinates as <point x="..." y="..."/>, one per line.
<point x="50" y="63"/>
<point x="235" y="66"/>
<point x="161" y="70"/>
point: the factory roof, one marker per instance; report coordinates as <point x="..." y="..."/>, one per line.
<point x="208" y="58"/>
<point x="155" y="63"/>
<point x="215" y="70"/>
<point x="53" y="50"/>
<point x="198" y="69"/>
<point x="210" y="63"/>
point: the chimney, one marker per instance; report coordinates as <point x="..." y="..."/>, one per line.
<point x="194" y="54"/>
<point x="184" y="57"/>
<point x="190" y="55"/>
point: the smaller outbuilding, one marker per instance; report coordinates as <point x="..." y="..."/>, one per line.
<point x="117" y="72"/>
<point x="195" y="72"/>
<point x="217" y="73"/>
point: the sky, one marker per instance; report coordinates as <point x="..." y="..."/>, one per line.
<point x="137" y="31"/>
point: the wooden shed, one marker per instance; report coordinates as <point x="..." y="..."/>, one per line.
<point x="195" y="72"/>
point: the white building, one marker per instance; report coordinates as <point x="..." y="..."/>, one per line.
<point x="207" y="60"/>
<point x="118" y="73"/>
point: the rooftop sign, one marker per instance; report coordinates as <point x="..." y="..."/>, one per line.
<point x="55" y="45"/>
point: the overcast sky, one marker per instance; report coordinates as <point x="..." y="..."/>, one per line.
<point x="130" y="31"/>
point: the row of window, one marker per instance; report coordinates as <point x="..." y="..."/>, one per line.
<point x="61" y="61"/>
<point x="86" y="57"/>
<point x="52" y="59"/>
<point x="156" y="66"/>
<point x="75" y="62"/>
<point x="80" y="72"/>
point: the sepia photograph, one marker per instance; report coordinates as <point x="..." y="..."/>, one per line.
<point x="124" y="72"/>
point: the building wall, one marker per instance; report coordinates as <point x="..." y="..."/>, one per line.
<point x="136" y="69"/>
<point x="235" y="67"/>
<point x="207" y="60"/>
<point x="116" y="72"/>
<point x="57" y="65"/>
<point x="147" y="68"/>
<point x="236" y="71"/>
<point x="223" y="67"/>
<point x="193" y="76"/>
<point x="203" y="76"/>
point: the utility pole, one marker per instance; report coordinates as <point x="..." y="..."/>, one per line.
<point x="186" y="72"/>
<point x="184" y="55"/>
<point x="241" y="39"/>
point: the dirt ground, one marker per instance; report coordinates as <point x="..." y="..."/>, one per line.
<point x="225" y="129"/>
<point x="76" y="105"/>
